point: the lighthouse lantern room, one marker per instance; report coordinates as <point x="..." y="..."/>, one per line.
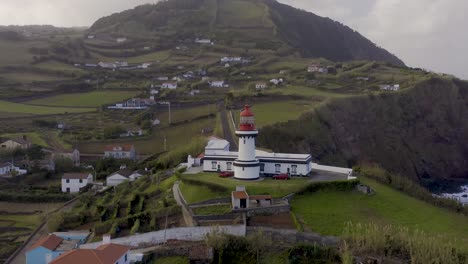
<point x="247" y="166"/>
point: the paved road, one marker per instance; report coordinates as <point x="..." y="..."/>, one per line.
<point x="225" y="119"/>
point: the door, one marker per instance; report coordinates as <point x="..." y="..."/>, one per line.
<point x="243" y="203"/>
<point x="288" y="171"/>
<point x="68" y="190"/>
<point x="219" y="167"/>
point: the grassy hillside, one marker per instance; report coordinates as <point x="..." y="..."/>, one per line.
<point x="405" y="132"/>
<point x="263" y="24"/>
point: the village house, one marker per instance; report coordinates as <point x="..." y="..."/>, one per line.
<point x="123" y="175"/>
<point x="277" y="81"/>
<point x="52" y="246"/>
<point x="218" y="84"/>
<point x="170" y="86"/>
<point x="194" y="92"/>
<point x="260" y="86"/>
<point x="14" y="143"/>
<point x="317" y="68"/>
<point x="74" y="182"/>
<point x="9" y="169"/>
<point x="231" y="59"/>
<point x="188" y="75"/>
<point x="388" y="87"/>
<point x="132" y="133"/>
<point x="146" y="48"/>
<point x="121" y="40"/>
<point x="144" y="65"/>
<point x="162" y="78"/>
<point x="120" y="152"/>
<point x="154" y="92"/>
<point x="73" y="155"/>
<point x="91" y="36"/>
<point x="107" y="253"/>
<point x="203" y="41"/>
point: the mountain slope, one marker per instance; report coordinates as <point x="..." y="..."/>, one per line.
<point x="421" y="133"/>
<point x="249" y="23"/>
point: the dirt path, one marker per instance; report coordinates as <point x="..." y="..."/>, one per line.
<point x="180" y="201"/>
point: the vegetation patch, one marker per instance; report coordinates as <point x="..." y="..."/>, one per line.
<point x="91" y="99"/>
<point x="213" y="210"/>
<point x="9" y="107"/>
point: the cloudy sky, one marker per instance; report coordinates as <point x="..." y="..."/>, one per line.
<point x="424" y="33"/>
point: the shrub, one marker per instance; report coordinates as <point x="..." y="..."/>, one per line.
<point x="135" y="227"/>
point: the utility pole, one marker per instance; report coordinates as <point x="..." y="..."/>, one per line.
<point x="165" y="142"/>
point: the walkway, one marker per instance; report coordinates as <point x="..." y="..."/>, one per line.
<point x="183" y="204"/>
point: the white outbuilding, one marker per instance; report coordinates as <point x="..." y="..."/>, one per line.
<point x="74" y="182"/>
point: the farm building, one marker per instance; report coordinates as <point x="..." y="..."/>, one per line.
<point x="240" y="199"/>
<point x="121" y="40"/>
<point x="218" y="84"/>
<point x="74" y="182"/>
<point x="123" y="175"/>
<point x="250" y="163"/>
<point x="120" y="152"/>
<point x="14" y="143"/>
<point x="74" y="155"/>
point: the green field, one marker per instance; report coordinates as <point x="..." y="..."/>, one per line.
<point x="172" y="260"/>
<point x="33" y="137"/>
<point x="9" y="107"/>
<point x="91" y="99"/>
<point x="196" y="193"/>
<point x="274" y="112"/>
<point x="327" y="212"/>
<point x="175" y="136"/>
<point x="28" y="77"/>
<point x="58" y="66"/>
<point x="213" y="210"/>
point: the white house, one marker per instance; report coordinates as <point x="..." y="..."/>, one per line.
<point x="317" y="68"/>
<point x="203" y="41"/>
<point x="14" y="143"/>
<point x="121" y="40"/>
<point x="74" y="182"/>
<point x="171" y="86"/>
<point x="120" y="152"/>
<point x="218" y="84"/>
<point x="277" y="81"/>
<point x="7" y="168"/>
<point x="240" y="199"/>
<point x="162" y="78"/>
<point x="122" y="175"/>
<point x="387" y="87"/>
<point x="91" y="36"/>
<point x="154" y="92"/>
<point x="231" y="59"/>
<point x="260" y="86"/>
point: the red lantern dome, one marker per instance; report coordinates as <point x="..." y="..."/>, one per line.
<point x="247" y="119"/>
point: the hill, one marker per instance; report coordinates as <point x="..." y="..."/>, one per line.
<point x="420" y="133"/>
<point x="264" y="24"/>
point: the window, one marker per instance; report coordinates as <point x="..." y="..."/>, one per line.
<point x="262" y="167"/>
<point x="294" y="169"/>
<point x="125" y="257"/>
<point x="229" y="165"/>
<point x="244" y="141"/>
<point x="277" y="168"/>
<point x="68" y="181"/>
<point x="214" y="165"/>
<point x="81" y="181"/>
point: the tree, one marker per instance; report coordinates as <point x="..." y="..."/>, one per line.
<point x="35" y="152"/>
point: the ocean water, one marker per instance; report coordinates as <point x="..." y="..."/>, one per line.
<point x="461" y="196"/>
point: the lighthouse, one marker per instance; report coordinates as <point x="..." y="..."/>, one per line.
<point x="247" y="166"/>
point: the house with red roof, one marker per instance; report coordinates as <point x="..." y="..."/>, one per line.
<point x="52" y="246"/>
<point x="104" y="254"/>
<point x="120" y="152"/>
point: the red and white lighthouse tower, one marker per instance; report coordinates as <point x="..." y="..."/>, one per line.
<point x="246" y="166"/>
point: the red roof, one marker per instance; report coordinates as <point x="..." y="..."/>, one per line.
<point x="246" y="111"/>
<point x="240" y="195"/>
<point x="105" y="254"/>
<point x="50" y="242"/>
<point x="201" y="156"/>
<point x="75" y="176"/>
<point x="118" y="147"/>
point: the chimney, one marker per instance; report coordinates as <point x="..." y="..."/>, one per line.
<point x="106" y="239"/>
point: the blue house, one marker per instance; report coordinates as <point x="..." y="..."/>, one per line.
<point x="50" y="247"/>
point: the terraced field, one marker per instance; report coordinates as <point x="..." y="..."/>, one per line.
<point x="91" y="99"/>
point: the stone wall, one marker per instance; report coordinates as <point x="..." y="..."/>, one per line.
<point x="270" y="210"/>
<point x="226" y="200"/>
<point x="181" y="233"/>
<point x="292" y="236"/>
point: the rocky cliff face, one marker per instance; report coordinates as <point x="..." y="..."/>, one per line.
<point x="421" y="133"/>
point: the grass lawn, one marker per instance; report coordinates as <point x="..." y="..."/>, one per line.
<point x="195" y="193"/>
<point x="186" y="114"/>
<point x="33" y="137"/>
<point x="303" y="91"/>
<point x="9" y="107"/>
<point x="91" y="99"/>
<point x="58" y="66"/>
<point x="32" y="77"/>
<point x="213" y="210"/>
<point x="327" y="212"/>
<point x="274" y="112"/>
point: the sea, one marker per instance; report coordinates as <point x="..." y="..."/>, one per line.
<point x="460" y="196"/>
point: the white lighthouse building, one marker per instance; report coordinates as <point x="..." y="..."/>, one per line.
<point x="247" y="166"/>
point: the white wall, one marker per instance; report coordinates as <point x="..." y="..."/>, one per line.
<point x="207" y="166"/>
<point x="75" y="185"/>
<point x="122" y="259"/>
<point x="115" y="180"/>
<point x="247" y="173"/>
<point x="302" y="169"/>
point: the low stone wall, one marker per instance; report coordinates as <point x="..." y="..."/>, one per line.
<point x="230" y="216"/>
<point x="270" y="210"/>
<point x="292" y="236"/>
<point x="226" y="200"/>
<point x="181" y="233"/>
